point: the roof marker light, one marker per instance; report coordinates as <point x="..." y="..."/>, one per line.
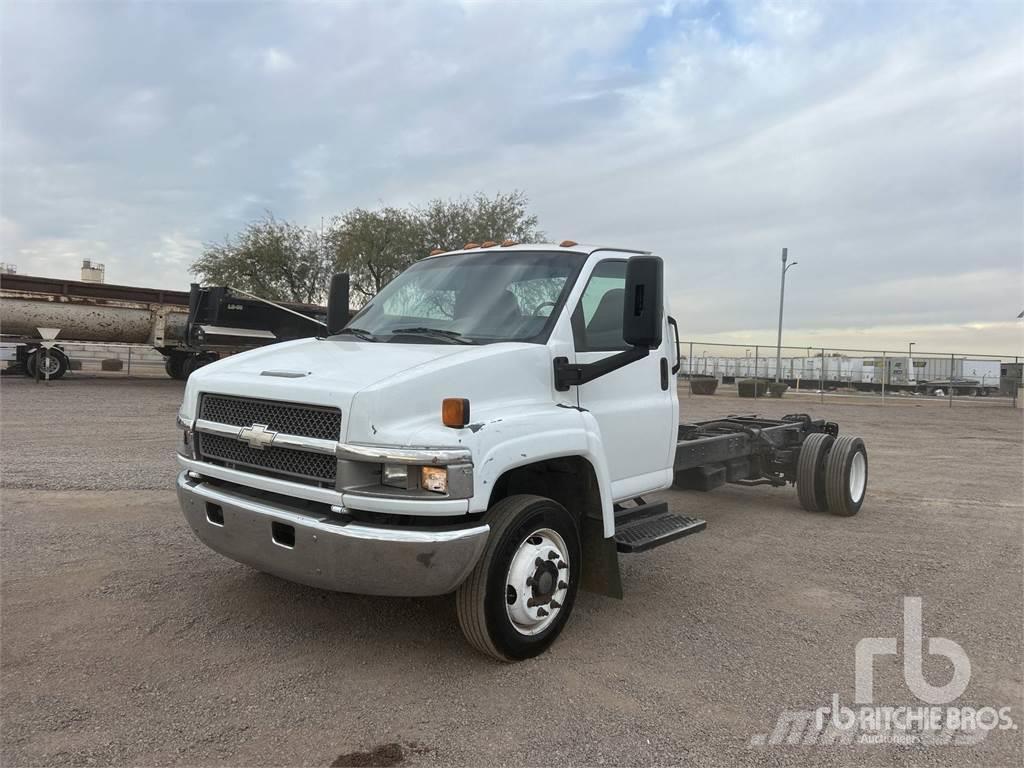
<point x="568" y="243"/>
<point x="470" y="246"/>
<point x="436" y="251"/>
<point x="507" y="243"/>
<point x="488" y="244"/>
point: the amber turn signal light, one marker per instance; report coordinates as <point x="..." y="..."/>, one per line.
<point x="455" y="412"/>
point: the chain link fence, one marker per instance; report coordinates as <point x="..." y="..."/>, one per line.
<point x="885" y="377"/>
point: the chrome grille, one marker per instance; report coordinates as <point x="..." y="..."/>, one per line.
<point x="289" y="418"/>
<point x="301" y="466"/>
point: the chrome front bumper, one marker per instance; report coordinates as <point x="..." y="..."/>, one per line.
<point x="321" y="552"/>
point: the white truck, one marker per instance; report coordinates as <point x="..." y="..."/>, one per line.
<point x="489" y="425"/>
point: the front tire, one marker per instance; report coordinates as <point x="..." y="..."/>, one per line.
<point x="518" y="598"/>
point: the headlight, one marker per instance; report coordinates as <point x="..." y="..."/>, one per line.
<point x="395" y="475"/>
<point x="406" y="477"/>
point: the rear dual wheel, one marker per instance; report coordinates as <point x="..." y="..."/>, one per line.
<point x="519" y="596"/>
<point x="832" y="474"/>
<point x="52" y="364"/>
<point x="180" y="367"/>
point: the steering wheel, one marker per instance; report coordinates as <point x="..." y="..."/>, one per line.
<point x="539" y="307"/>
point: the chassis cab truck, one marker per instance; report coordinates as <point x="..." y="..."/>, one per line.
<point x="489" y="425"/>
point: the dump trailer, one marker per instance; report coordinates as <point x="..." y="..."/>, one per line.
<point x="84" y="311"/>
<point x="190" y="329"/>
<point x="491" y="425"/>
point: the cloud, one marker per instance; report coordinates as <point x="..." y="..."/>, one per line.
<point x="276" y="60"/>
<point x="882" y="144"/>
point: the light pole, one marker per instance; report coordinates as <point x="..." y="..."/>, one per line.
<point x="782" y="299"/>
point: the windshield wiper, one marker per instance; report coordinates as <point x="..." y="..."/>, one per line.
<point x="359" y="333"/>
<point x="453" y="337"/>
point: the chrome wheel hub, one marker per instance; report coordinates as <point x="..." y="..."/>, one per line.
<point x="48" y="364"/>
<point x="537" y="581"/>
<point x="858" y="476"/>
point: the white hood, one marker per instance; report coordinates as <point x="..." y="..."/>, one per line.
<point x="314" y="371"/>
<point x="387" y="393"/>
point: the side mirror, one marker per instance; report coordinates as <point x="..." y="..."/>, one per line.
<point x="337" y="303"/>
<point x="641" y="311"/>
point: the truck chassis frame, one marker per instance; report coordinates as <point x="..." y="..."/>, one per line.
<point x="745" y="450"/>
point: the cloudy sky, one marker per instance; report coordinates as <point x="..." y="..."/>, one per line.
<point x="881" y="142"/>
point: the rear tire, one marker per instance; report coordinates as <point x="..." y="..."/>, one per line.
<point x="846" y="476"/>
<point x="518" y="598"/>
<point x="194" y="362"/>
<point x="810" y="471"/>
<point x="57" y="364"/>
<point x="174" y="365"/>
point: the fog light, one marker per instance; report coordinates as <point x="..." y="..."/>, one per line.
<point x="434" y="479"/>
<point x="395" y="475"/>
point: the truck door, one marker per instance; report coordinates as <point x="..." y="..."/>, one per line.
<point x="635" y="406"/>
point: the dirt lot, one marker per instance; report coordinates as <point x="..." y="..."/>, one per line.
<point x="125" y="641"/>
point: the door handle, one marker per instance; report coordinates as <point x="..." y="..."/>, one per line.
<point x="679" y="357"/>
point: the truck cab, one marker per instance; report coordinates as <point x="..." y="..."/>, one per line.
<point x="487" y="425"/>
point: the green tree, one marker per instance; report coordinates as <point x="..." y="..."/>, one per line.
<point x="450" y="224"/>
<point x="282" y="261"/>
<point x="271" y="258"/>
<point x="374" y="247"/>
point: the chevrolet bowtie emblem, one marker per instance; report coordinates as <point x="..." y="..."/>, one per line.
<point x="257" y="436"/>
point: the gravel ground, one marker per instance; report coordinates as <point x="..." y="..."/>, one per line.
<point x="125" y="641"/>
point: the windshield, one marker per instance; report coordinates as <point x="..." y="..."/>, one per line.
<point x="471" y="298"/>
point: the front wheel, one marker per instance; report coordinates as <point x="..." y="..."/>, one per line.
<point x="518" y="598"/>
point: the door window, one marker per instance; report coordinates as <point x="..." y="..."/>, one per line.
<point x="597" y="319"/>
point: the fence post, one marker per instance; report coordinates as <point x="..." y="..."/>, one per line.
<point x="689" y="377"/>
<point x="821" y="377"/>
<point x="757" y="367"/>
<point x="952" y="365"/>
<point x="1016" y="386"/>
<point x="885" y="374"/>
<point x="129" y="361"/>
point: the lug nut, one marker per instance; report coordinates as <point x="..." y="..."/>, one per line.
<point x="562" y="566"/>
<point x="541" y="612"/>
<point x="529" y="581"/>
<point x="538" y="562"/>
<point x="562" y="585"/>
<point x="555" y="604"/>
<point x="552" y="555"/>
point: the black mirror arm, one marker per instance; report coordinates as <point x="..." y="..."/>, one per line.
<point x="574" y="374"/>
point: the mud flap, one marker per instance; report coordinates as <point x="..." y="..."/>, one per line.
<point x="600" y="561"/>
